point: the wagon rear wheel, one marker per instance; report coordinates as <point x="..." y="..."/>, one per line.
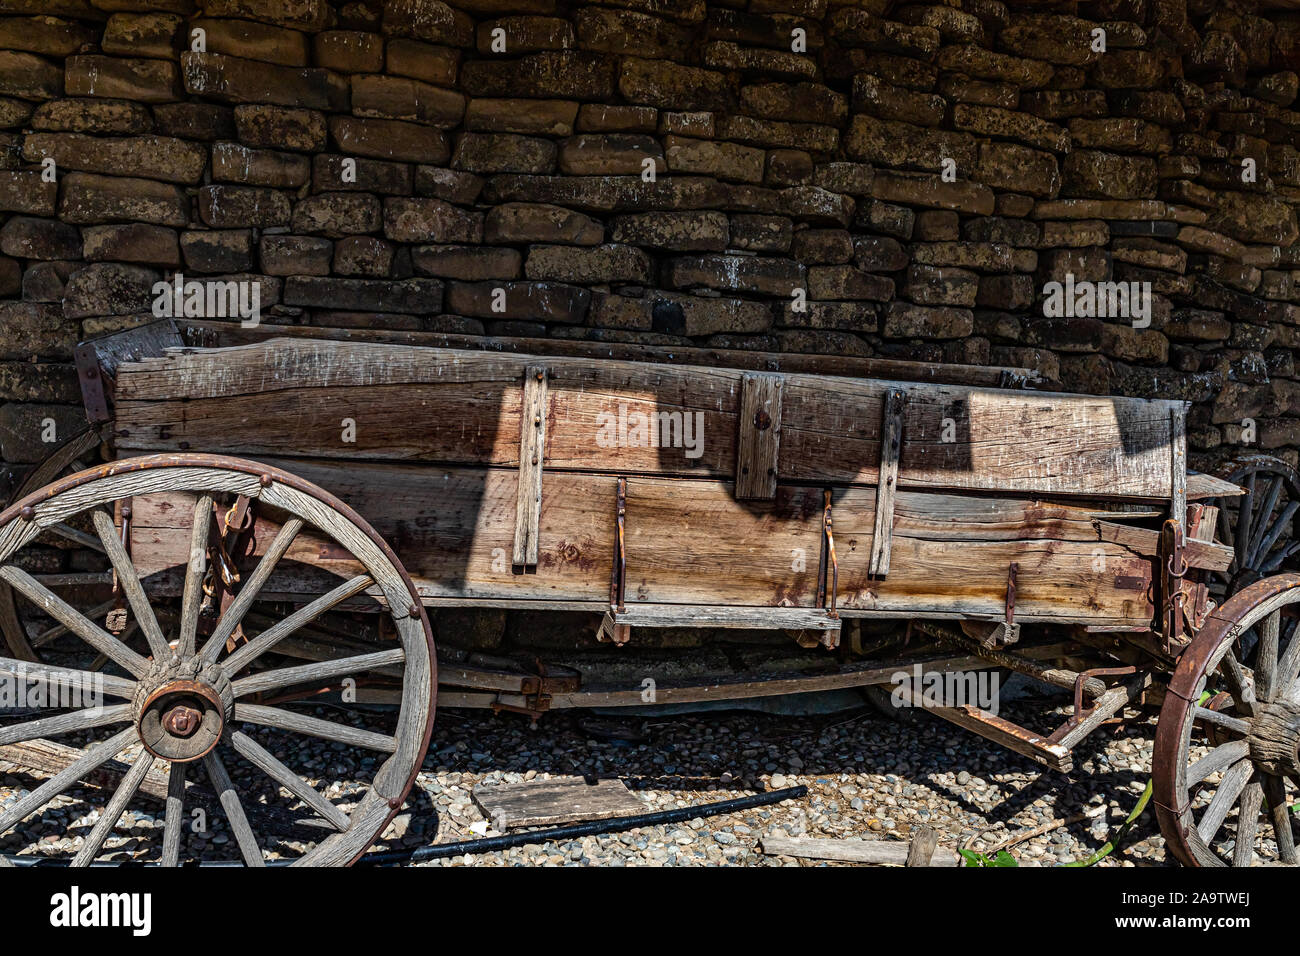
<point x="1226" y="767"/>
<point x="179" y="700"/>
<point x="1258" y="524"/>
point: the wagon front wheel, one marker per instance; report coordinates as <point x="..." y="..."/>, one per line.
<point x="1226" y="765"/>
<point x="187" y="719"/>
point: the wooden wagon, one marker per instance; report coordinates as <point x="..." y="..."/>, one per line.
<point x="280" y="505"/>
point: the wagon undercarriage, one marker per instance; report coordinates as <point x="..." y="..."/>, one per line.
<point x="895" y="526"/>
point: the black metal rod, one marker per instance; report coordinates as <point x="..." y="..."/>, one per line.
<point x="490" y="844"/>
<point x="616" y="825"/>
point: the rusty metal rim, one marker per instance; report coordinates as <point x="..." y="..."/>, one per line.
<point x="274" y="474"/>
<point x="1184" y="685"/>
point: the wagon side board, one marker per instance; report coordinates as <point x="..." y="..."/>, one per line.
<point x="689" y="541"/>
<point x="459" y="407"/>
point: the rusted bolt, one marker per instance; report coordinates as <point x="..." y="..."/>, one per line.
<point x="266" y="480"/>
<point x="182" y="720"/>
<point x="762" y="420"/>
<point x="27" y="512"/>
<point x="414" y="611"/>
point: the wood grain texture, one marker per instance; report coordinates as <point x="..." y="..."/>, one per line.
<point x="891" y="445"/>
<point x="532" y="449"/>
<point x="223" y="334"/>
<point x="758" y="444"/>
<point x="440" y="405"/>
<point x="535" y="803"/>
<point x="690" y="542"/>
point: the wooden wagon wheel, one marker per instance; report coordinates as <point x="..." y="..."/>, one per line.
<point x="1258" y="524"/>
<point x="186" y="699"/>
<point x="1227" y="749"/>
<point x="69" y="457"/>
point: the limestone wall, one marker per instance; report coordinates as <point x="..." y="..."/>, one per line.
<point x="844" y="178"/>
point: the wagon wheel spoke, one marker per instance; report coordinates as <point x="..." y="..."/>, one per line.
<point x="248" y="593"/>
<point x="1220" y="758"/>
<point x="75" y="621"/>
<point x="314" y="727"/>
<point x="92" y="759"/>
<point x="1266" y="657"/>
<point x="130" y="584"/>
<point x="1260" y="526"/>
<point x="1280" y="816"/>
<point x="192" y="596"/>
<point x="1243" y="693"/>
<point x="1241" y="536"/>
<point x="77" y="536"/>
<point x="66" y="723"/>
<point x="175" y="816"/>
<point x="305" y="615"/>
<point x="264" y="760"/>
<point x="49" y="675"/>
<point x="310" y="673"/>
<point x="58" y="630"/>
<point x="1275" y="562"/>
<point x="1230" y="788"/>
<point x="1252" y="798"/>
<point x="1219" y="719"/>
<point x="113" y="812"/>
<point x="229" y="798"/>
<point x="1280" y="524"/>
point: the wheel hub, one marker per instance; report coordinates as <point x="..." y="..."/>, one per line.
<point x="1275" y="738"/>
<point x="182" y="709"/>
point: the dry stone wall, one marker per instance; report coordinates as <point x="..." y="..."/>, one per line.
<point x="845" y="178"/>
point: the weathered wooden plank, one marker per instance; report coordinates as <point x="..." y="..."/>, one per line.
<point x="536" y="803"/>
<point x="225" y="334"/>
<point x="646" y="419"/>
<point x="891" y="444"/>
<point x="689" y="542"/>
<point x="1001" y="731"/>
<point x="759" y="442"/>
<point x="852" y="850"/>
<point x="1178" y="463"/>
<point x="532" y="445"/>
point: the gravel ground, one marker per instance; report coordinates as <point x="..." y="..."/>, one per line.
<point x="866" y="776"/>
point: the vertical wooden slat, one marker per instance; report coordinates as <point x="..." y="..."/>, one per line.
<point x="760" y="435"/>
<point x="1178" y="463"/>
<point x="532" y="444"/>
<point x="891" y="442"/>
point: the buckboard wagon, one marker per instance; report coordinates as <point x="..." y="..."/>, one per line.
<point x="215" y="580"/>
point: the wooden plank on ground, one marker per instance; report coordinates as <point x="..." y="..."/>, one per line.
<point x="536" y="803"/>
<point x="532" y="445"/>
<point x="664" y="419"/>
<point x="887" y="852"/>
<point x="759" y="442"/>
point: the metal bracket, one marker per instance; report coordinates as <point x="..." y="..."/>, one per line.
<point x="91" y="377"/>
